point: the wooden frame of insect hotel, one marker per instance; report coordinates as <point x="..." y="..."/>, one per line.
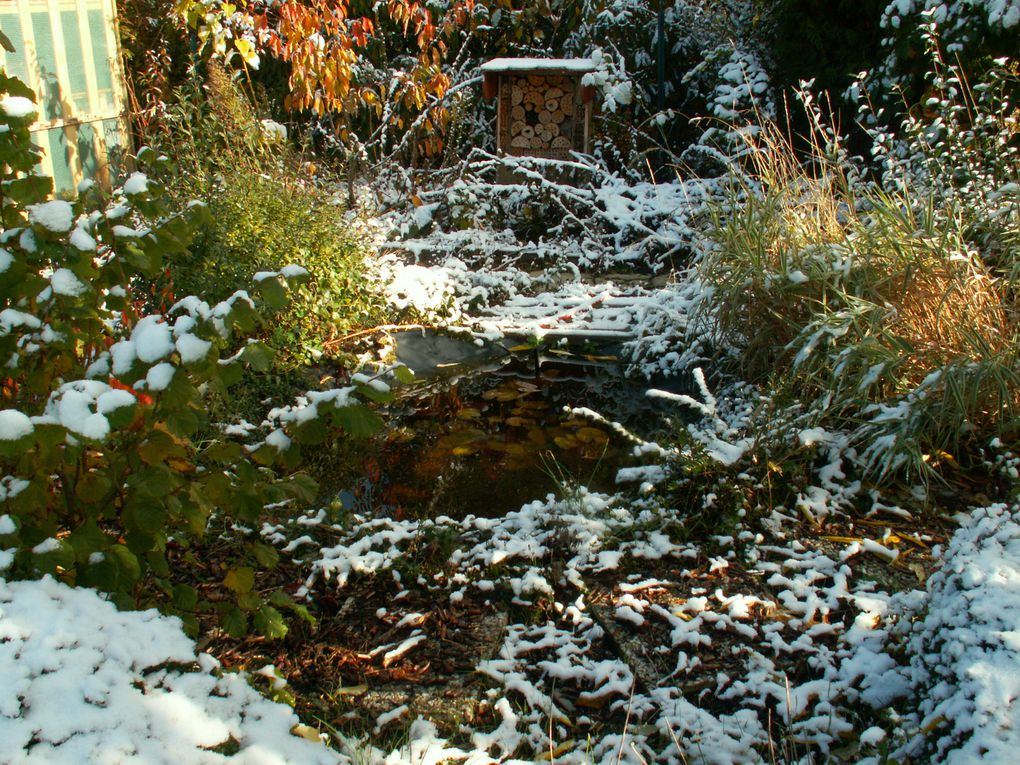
<point x="543" y="110"/>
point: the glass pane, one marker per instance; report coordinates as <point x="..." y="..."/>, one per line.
<point x="49" y="98"/>
<point x="101" y="58"/>
<point x="75" y="60"/>
<point x="17" y="64"/>
<point x="63" y="180"/>
<point x="87" y="150"/>
<point x="115" y="154"/>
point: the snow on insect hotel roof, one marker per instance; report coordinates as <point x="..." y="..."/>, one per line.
<point x="543" y="109"/>
<point x="540" y="65"/>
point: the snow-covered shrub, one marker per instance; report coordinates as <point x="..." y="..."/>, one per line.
<point x="971" y="29"/>
<point x="961" y="149"/>
<point x="85" y="682"/>
<point x="99" y="468"/>
<point x="965" y="661"/>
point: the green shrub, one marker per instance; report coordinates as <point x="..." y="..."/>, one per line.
<point x="101" y="477"/>
<point x="266" y="211"/>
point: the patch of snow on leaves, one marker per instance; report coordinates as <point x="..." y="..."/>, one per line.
<point x="17" y="107"/>
<point x="84" y="682"/>
<point x="136" y="183"/>
<point x="152" y="339"/>
<point x="64" y="282"/>
<point x="14" y="425"/>
<point x="82" y="240"/>
<point x="56" y="216"/>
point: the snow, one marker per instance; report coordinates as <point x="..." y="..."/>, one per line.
<point x="274" y="130"/>
<point x="56" y="216"/>
<point x="192" y="348"/>
<point x="82" y="240"/>
<point x="580" y="65"/>
<point x="114" y="399"/>
<point x="64" y="282"/>
<point x="17" y="107"/>
<point x="293" y="271"/>
<point x="14" y="425"/>
<point x="152" y="339"/>
<point x="84" y="682"/>
<point x="136" y="183"/>
<point x="966" y="650"/>
<point x="159" y="376"/>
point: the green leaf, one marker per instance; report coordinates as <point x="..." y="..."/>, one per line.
<point x="222" y="452"/>
<point x="241" y="579"/>
<point x="270" y="623"/>
<point x="259" y="356"/>
<point x="182" y="422"/>
<point x="185" y="597"/>
<point x="309" y="432"/>
<point x="129" y="570"/>
<point x="249" y="601"/>
<point x="158" y="563"/>
<point x="378" y="396"/>
<point x="233" y="621"/>
<point x="93" y="487"/>
<point x="272" y="292"/>
<point x="266" y="555"/>
<point x="60" y="557"/>
<point x="122" y="416"/>
<point x="283" y="600"/>
<point x="231" y="374"/>
<point x="265" y="455"/>
<point x="154" y="482"/>
<point x="158" y="446"/>
<point x="404" y="375"/>
<point x="302" y="487"/>
<point x="359" y="421"/>
<point x="87" y="539"/>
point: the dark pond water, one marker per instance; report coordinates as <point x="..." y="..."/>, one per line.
<point x="489" y="427"/>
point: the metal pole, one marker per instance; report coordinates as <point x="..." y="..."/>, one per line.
<point x="661" y="49"/>
<point x="660" y="46"/>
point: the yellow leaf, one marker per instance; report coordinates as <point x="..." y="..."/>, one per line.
<point x="306" y="732"/>
<point x="551" y="754"/>
<point x="246" y="49"/>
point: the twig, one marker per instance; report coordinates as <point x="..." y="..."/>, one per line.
<point x="372" y="330"/>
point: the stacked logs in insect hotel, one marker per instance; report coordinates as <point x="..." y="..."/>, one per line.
<point x="541" y="112"/>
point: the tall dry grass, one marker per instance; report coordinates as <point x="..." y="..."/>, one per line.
<point x="876" y="307"/>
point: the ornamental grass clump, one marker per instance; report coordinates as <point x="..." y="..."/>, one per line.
<point x="886" y="309"/>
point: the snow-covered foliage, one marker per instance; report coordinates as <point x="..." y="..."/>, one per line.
<point x="85" y="682"/>
<point x="963" y="652"/>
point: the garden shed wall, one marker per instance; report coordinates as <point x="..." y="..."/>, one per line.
<point x="68" y="52"/>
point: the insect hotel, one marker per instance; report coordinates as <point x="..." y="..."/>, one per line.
<point x="543" y="110"/>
